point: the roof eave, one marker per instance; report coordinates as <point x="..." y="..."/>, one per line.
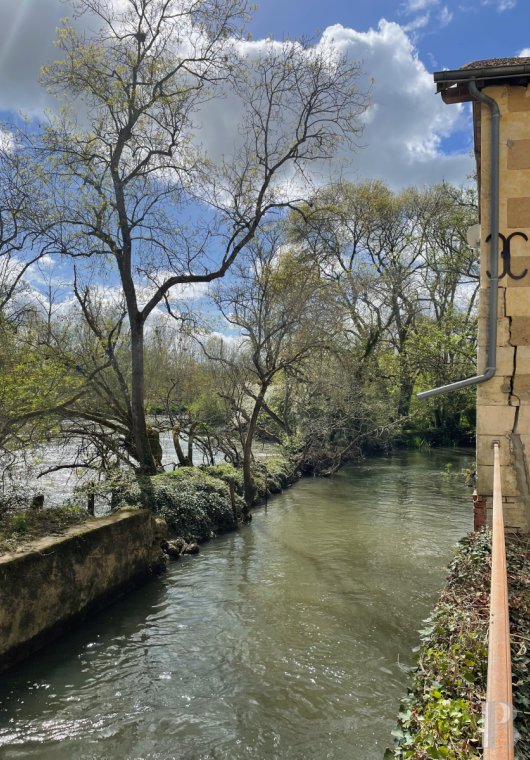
<point x="445" y="79"/>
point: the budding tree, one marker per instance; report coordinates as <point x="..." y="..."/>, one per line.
<point x="134" y="195"/>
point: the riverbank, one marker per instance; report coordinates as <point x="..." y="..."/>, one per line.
<point x="442" y="714"/>
<point x="91" y="561"/>
<point x="287" y="638"/>
<point x="59" y="581"/>
<point x="196" y="502"/>
<point x="199" y="503"/>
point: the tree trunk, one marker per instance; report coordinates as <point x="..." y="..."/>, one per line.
<point x="249" y="486"/>
<point x="146" y="461"/>
<point x="235" y="511"/>
<point x="191" y="436"/>
<point x="183" y="460"/>
<point x="156" y="447"/>
<point x="406" y="389"/>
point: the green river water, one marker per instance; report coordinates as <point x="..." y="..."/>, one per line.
<point x="288" y="640"/>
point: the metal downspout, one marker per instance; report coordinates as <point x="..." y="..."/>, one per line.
<point x="493" y="291"/>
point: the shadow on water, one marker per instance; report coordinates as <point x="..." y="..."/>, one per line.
<point x="288" y="640"/>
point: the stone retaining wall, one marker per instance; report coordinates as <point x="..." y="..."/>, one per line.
<point x="61" y="579"/>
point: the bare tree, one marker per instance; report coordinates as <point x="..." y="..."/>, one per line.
<point x="278" y="305"/>
<point x="122" y="173"/>
<point x="21" y="221"/>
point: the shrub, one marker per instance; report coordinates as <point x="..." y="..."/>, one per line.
<point x="194" y="504"/>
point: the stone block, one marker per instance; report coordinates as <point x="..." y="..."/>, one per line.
<point x="518" y="213"/>
<point x="523" y="427"/>
<point x="518" y="99"/>
<point x="514" y="184"/>
<point x="483" y="303"/>
<point x="515" y="127"/>
<point x="485" y="450"/>
<point x="519" y="247"/>
<point x="485" y="266"/>
<point x="494" y="392"/>
<point x="525" y="442"/>
<point x="520" y="331"/>
<point x="518" y="302"/>
<point x="503" y="332"/>
<point x="519" y="265"/>
<point x="514" y="519"/>
<point x="495" y="420"/>
<point x="515" y="516"/>
<point x="521" y="388"/>
<point x="522" y="360"/>
<point x="518" y="154"/>
<point x="505" y="360"/>
<point x="509" y="485"/>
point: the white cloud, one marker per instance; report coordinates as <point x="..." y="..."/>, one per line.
<point x="26" y="43"/>
<point x="420" y="22"/>
<point x="445" y="16"/>
<point x="7" y="141"/>
<point x="501" y="5"/>
<point x="407" y="120"/>
<point x="403" y="128"/>
<point x="413" y="6"/>
<point x="524" y="53"/>
<point x="190" y="291"/>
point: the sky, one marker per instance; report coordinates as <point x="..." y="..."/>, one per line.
<point x="410" y="136"/>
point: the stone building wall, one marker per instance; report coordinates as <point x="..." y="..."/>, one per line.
<point x="503" y="403"/>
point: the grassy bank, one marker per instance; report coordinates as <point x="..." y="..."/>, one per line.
<point x="442" y="715"/>
<point x="196" y="502"/>
<point x="199" y="502"/>
<point x="19" y="528"/>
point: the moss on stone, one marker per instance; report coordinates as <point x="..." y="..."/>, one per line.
<point x="19" y="528"/>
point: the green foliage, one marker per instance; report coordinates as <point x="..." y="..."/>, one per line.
<point x="442" y="351"/>
<point x="441" y="717"/>
<point x="19" y="523"/>
<point x="33" y="384"/>
<point x="405" y="283"/>
<point x="518" y="563"/>
<point x="227" y="473"/>
<point x="194" y="504"/>
<point x="195" y="501"/>
<point x="444" y="723"/>
<point x="271" y="475"/>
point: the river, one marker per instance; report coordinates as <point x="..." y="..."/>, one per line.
<point x="288" y="640"/>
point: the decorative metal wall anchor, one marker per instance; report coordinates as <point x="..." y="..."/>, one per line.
<point x="506" y="254"/>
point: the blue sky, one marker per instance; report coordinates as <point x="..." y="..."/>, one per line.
<point x="446" y="34"/>
<point x="409" y="137"/>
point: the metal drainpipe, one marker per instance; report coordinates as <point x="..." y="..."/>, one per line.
<point x="493" y="293"/>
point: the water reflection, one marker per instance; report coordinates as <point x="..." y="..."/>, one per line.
<point x="288" y="640"/>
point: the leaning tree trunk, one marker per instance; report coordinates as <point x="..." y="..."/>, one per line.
<point x="183" y="459"/>
<point x="249" y="486"/>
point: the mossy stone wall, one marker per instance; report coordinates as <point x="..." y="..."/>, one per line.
<point x="57" y="582"/>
